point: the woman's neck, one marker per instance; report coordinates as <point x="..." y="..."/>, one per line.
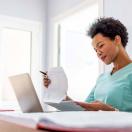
<point x="121" y="61"/>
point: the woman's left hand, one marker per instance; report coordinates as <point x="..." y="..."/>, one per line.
<point x="95" y="106"/>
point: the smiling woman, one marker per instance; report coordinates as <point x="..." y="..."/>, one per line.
<point x="104" y="47"/>
<point x="109" y="39"/>
<point x="113" y="90"/>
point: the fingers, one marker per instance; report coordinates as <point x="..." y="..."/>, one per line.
<point x="87" y="106"/>
<point x="46" y="75"/>
<point x="95" y="106"/>
<point x="46" y="82"/>
<point x="98" y="105"/>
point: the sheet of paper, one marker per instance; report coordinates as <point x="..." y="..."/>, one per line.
<point x="66" y="106"/>
<point x="57" y="90"/>
<point x="83" y="119"/>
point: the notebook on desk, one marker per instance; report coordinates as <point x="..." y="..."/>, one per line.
<point x="86" y="121"/>
<point x="25" y="93"/>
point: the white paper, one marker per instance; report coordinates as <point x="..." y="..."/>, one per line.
<point x="82" y="119"/>
<point x="66" y="106"/>
<point x="57" y="90"/>
<point x="78" y="119"/>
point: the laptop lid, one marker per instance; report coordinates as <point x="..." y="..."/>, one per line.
<point x="25" y="93"/>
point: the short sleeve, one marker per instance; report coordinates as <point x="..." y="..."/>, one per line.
<point x="90" y="97"/>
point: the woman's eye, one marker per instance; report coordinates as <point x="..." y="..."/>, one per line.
<point x="100" y="46"/>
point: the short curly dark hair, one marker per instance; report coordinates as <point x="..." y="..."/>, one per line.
<point x="109" y="27"/>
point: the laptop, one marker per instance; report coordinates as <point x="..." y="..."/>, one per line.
<point x="25" y="93"/>
<point x="28" y="99"/>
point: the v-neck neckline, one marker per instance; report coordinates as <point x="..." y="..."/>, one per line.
<point x="120" y="70"/>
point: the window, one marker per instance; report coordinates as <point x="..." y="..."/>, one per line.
<point x="75" y="53"/>
<point x="19" y="53"/>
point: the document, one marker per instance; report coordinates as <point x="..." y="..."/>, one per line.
<point x="90" y="119"/>
<point x="57" y="90"/>
<point x="86" y="121"/>
<point x="66" y="106"/>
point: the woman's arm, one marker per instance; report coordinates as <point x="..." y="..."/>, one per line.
<point x="90" y="97"/>
<point x="96" y="106"/>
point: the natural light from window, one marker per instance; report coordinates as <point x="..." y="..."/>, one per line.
<point x="77" y="56"/>
<point x="15" y="59"/>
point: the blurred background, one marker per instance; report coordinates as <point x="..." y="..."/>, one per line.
<point x="40" y="34"/>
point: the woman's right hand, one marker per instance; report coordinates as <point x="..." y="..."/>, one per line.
<point x="46" y="81"/>
<point x="96" y="106"/>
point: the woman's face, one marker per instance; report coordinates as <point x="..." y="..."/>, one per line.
<point x="106" y="49"/>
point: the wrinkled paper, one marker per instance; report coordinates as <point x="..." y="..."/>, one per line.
<point x="57" y="89"/>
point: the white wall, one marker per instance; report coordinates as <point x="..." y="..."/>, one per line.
<point x="34" y="10"/>
<point x="58" y="6"/>
<point x="45" y="10"/>
<point x="121" y="9"/>
<point x="55" y="9"/>
<point x="28" y="9"/>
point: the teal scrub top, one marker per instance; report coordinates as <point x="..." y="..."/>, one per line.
<point x="115" y="89"/>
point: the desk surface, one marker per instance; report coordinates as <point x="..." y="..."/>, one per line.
<point x="6" y="126"/>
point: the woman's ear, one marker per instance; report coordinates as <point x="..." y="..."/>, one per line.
<point x="117" y="40"/>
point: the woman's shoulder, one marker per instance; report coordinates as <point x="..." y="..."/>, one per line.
<point x="129" y="75"/>
<point x="103" y="76"/>
<point x="128" y="71"/>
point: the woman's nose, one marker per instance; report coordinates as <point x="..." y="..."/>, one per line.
<point x="99" y="53"/>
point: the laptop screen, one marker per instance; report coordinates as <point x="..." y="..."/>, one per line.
<point x="25" y="93"/>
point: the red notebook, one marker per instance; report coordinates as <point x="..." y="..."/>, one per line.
<point x="6" y="110"/>
<point x="51" y="126"/>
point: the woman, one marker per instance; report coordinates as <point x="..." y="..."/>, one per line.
<point x="113" y="90"/>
